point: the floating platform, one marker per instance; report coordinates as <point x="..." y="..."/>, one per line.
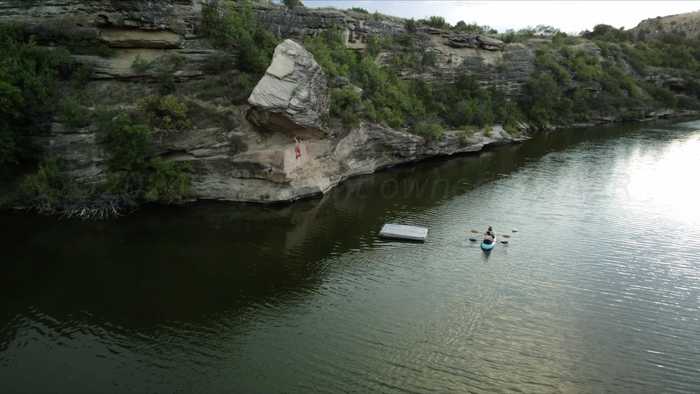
<point x="400" y="231"/>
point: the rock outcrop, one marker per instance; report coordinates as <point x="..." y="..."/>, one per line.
<point x="474" y="41"/>
<point x="246" y="151"/>
<point x="683" y="25"/>
<point x="293" y="94"/>
<point x="238" y="151"/>
<point x="301" y="22"/>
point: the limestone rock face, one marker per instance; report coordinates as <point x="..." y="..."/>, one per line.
<point x="686" y="25"/>
<point x="293" y="94"/>
<point x="303" y="22"/>
<point x="475" y="41"/>
<point x="240" y="151"/>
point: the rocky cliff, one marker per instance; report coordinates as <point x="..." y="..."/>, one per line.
<point x="685" y="25"/>
<point x="245" y="148"/>
<point x="236" y="151"/>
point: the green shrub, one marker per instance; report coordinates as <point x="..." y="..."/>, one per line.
<point x="607" y="33"/>
<point x="219" y="63"/>
<point x="164" y="70"/>
<point x="128" y="144"/>
<point x="45" y="189"/>
<point x="662" y="95"/>
<point x="330" y="52"/>
<point x="73" y="113"/>
<point x="29" y="78"/>
<point x="165" y="112"/>
<point x="461" y="26"/>
<point x="429" y="130"/>
<point x="240" y="87"/>
<point x="70" y="35"/>
<point x="360" y="10"/>
<point x="410" y="25"/>
<point x="346" y="105"/>
<point x="168" y="181"/>
<point x="375" y="44"/>
<point x="292" y="3"/>
<point x="435" y="21"/>
<point x="235" y="27"/>
<point x="132" y="174"/>
<point x="544" y="101"/>
<point x="512" y="129"/>
<point x="467" y="132"/>
<point x="141" y="65"/>
<point x="376" y="16"/>
<point x="429" y="59"/>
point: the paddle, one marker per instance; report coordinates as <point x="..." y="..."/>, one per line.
<point x="502" y="235"/>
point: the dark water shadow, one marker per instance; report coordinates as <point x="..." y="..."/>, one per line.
<point x="193" y="264"/>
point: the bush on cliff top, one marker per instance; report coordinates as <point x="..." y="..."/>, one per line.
<point x="435" y="21"/>
<point x="235" y="27"/>
<point x="291" y="4"/>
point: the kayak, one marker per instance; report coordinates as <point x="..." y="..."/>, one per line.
<point x="488" y="247"/>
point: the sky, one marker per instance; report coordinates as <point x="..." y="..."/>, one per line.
<point x="568" y="16"/>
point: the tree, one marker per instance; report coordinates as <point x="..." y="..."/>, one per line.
<point x="291" y="4"/>
<point x="410" y="25"/>
<point x="236" y="27"/>
<point x="29" y="77"/>
<point x="469" y="28"/>
<point x="436" y="21"/>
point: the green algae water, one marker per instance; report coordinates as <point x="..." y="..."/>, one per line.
<point x="598" y="291"/>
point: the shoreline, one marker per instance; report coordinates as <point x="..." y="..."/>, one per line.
<point x="467" y="150"/>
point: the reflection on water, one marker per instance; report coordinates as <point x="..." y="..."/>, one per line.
<point x="667" y="179"/>
<point x="598" y="291"/>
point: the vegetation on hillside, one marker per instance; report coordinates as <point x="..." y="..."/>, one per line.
<point x="29" y="79"/>
<point x="38" y="84"/>
<point x="362" y="88"/>
<point x="233" y="27"/>
<point x="575" y="80"/>
<point x="134" y="172"/>
<point x="292" y="3"/>
<point x="605" y="73"/>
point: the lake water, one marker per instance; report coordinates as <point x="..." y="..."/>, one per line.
<point x="598" y="291"/>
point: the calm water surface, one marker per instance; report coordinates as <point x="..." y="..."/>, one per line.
<point x="598" y="291"/>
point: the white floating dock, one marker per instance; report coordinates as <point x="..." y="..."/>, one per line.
<point x="400" y="231"/>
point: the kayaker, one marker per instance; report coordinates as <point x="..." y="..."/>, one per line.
<point x="489" y="236"/>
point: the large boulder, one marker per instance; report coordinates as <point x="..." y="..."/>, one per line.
<point x="293" y="94"/>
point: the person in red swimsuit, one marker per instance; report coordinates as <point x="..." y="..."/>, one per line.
<point x="297" y="148"/>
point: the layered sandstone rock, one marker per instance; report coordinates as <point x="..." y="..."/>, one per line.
<point x="293" y="94"/>
<point x="231" y="158"/>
